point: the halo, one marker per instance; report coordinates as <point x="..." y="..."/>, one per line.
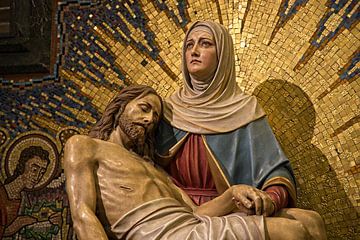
<point x="65" y="133"/>
<point x="32" y="138"/>
<point x="4" y="137"/>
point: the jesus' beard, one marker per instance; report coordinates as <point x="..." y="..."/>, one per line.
<point x="136" y="134"/>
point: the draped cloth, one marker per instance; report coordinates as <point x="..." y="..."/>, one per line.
<point x="248" y="155"/>
<point x="222" y="107"/>
<point x="166" y="218"/>
<point x="190" y="171"/>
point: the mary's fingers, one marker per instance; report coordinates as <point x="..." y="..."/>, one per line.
<point x="267" y="208"/>
<point x="258" y="205"/>
<point x="268" y="205"/>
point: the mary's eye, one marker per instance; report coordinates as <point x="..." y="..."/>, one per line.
<point x="189" y="45"/>
<point x="206" y="44"/>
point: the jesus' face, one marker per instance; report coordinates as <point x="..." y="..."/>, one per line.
<point x="140" y="116"/>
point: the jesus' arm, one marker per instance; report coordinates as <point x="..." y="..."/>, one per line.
<point x="79" y="166"/>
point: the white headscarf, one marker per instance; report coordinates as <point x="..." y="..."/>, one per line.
<point x="222" y="106"/>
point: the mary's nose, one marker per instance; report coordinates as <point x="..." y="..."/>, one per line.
<point x="195" y="50"/>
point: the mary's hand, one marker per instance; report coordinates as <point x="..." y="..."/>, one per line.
<point x="252" y="201"/>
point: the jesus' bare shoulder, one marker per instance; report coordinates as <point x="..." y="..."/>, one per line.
<point x="123" y="179"/>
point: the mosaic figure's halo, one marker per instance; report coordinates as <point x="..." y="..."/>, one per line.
<point x="65" y="133"/>
<point x="4" y="137"/>
<point x="32" y="138"/>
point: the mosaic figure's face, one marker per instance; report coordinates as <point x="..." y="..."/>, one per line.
<point x="34" y="171"/>
<point x="140" y="116"/>
<point x="200" y="54"/>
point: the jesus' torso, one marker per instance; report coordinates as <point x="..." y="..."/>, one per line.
<point x="126" y="181"/>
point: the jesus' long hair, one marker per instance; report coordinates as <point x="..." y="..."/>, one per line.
<point x="110" y="118"/>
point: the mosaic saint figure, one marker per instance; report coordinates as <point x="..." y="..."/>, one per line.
<point x="116" y="191"/>
<point x="214" y="136"/>
<point x="29" y="170"/>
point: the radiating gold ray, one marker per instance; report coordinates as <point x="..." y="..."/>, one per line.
<point x="139" y="36"/>
<point x="233" y="19"/>
<point x="353" y="11"/>
<point x="91" y="74"/>
<point x="255" y="55"/>
<point x="73" y="98"/>
<point x="257" y="28"/>
<point x="47" y="123"/>
<point x="83" y="115"/>
<point x="296" y="34"/>
<point x="357" y="66"/>
<point x="202" y="10"/>
<point x="213" y="10"/>
<point x="335" y="84"/>
<point x="290" y="3"/>
<point x="168" y="35"/>
<point x="135" y="33"/>
<point x="130" y="59"/>
<point x="86" y="117"/>
<point x="322" y="69"/>
<point x="333" y="22"/>
<point x="66" y="117"/>
<point x="347" y="126"/>
<point x="172" y="5"/>
<point x="349" y="104"/>
<point x="228" y="10"/>
<point x="109" y="74"/>
<point x="338" y="115"/>
<point x="129" y="9"/>
<point x="100" y="96"/>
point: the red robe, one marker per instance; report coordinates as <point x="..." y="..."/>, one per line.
<point x="191" y="172"/>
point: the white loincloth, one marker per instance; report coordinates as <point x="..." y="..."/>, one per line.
<point x="166" y="218"/>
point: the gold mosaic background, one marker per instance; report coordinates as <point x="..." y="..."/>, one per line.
<point x="299" y="57"/>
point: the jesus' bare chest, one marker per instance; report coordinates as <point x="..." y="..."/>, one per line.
<point x="125" y="181"/>
<point x="121" y="172"/>
<point x="120" y="166"/>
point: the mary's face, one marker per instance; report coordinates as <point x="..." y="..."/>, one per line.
<point x="200" y="54"/>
